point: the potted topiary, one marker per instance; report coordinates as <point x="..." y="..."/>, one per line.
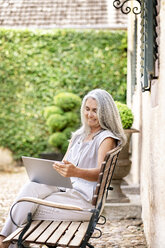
<point x="127" y="119"/>
<point x="62" y="119"/>
<point x="125" y="115"/>
<point x="124" y="163"/>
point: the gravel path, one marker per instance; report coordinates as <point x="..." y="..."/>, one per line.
<point x="116" y="234"/>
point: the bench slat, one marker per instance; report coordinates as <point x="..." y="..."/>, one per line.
<point x="65" y="239"/>
<point x="38" y="231"/>
<point x="48" y="232"/>
<point x="79" y="235"/>
<point x="34" y="224"/>
<point x="13" y="234"/>
<point x="58" y="233"/>
<point x="105" y="182"/>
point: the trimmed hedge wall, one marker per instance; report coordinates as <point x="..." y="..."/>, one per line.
<point x="36" y="65"/>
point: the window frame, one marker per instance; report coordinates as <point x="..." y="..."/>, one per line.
<point x="149" y="43"/>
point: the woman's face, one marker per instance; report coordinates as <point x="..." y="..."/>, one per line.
<point x="90" y="113"/>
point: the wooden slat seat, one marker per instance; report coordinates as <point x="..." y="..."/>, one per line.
<point x="70" y="233"/>
<point x="62" y="233"/>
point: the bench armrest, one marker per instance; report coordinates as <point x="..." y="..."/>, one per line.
<point x="51" y="204"/>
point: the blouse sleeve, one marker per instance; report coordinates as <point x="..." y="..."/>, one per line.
<point x="106" y="134"/>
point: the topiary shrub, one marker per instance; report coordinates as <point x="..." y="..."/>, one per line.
<point x="67" y="131"/>
<point x="125" y="114"/>
<point x="56" y="122"/>
<point x="71" y="119"/>
<point x="52" y="110"/>
<point x="59" y="141"/>
<point x="67" y="101"/>
<point x="62" y="119"/>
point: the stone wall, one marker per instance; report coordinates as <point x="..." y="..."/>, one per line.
<point x="149" y="149"/>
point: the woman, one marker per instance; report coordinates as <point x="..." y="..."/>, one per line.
<point x="100" y="132"/>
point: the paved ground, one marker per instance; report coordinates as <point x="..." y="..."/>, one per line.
<point x="116" y="234"/>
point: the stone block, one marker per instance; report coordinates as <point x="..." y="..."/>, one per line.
<point x="119" y="211"/>
<point x="7" y="162"/>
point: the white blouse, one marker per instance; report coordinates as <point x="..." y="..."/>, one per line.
<point x="85" y="155"/>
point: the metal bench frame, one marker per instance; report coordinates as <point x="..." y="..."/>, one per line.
<point x="103" y="186"/>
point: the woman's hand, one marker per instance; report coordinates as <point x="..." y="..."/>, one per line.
<point x="65" y="168"/>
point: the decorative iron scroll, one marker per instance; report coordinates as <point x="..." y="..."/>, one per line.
<point x="125" y="9"/>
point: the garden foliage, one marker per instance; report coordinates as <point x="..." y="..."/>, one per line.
<point x="35" y="65"/>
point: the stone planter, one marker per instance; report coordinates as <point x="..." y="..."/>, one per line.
<point x="122" y="170"/>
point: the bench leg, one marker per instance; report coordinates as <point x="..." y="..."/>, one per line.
<point x="20" y="241"/>
<point x="90" y="246"/>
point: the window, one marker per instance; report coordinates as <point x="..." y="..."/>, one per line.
<point x="149" y="42"/>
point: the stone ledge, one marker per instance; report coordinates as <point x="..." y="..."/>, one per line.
<point x="131" y="189"/>
<point x="119" y="211"/>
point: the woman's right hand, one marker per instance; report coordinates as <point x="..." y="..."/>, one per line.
<point x="65" y="168"/>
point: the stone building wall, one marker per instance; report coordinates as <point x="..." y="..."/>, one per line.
<point x="149" y="148"/>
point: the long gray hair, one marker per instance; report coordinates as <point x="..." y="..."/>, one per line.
<point x="107" y="113"/>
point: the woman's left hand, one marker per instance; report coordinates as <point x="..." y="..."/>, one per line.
<point x="66" y="169"/>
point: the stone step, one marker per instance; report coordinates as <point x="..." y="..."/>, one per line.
<point x="119" y="211"/>
<point x="130" y="189"/>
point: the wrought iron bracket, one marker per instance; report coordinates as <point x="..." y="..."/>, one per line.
<point x="125" y="9"/>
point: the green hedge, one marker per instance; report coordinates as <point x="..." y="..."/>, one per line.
<point x="36" y="65"/>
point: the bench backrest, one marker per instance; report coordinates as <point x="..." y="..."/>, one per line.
<point x="105" y="177"/>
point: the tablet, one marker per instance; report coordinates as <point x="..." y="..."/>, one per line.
<point x="42" y="171"/>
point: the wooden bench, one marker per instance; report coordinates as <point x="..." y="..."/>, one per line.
<point x="68" y="233"/>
